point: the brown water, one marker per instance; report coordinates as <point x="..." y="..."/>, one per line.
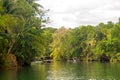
<point x="65" y="71"/>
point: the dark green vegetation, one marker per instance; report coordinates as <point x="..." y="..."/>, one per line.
<point x="22" y="37"/>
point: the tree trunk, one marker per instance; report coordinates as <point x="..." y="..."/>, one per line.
<point x="11" y="46"/>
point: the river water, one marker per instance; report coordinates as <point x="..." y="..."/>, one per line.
<point x="65" y="71"/>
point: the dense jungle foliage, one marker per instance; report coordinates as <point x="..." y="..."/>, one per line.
<point x="22" y="37"/>
<point x="88" y="43"/>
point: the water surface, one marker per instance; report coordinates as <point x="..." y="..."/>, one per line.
<point x="65" y="71"/>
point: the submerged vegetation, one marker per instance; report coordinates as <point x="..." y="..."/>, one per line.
<point x="22" y="37"/>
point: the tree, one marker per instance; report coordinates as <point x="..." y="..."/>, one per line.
<point x="21" y="29"/>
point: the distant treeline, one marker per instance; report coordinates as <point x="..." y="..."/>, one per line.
<point x="88" y="43"/>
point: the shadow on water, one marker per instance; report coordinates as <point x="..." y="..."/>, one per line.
<point x="65" y="71"/>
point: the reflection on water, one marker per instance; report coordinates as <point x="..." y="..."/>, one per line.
<point x="65" y="71"/>
<point x="84" y="71"/>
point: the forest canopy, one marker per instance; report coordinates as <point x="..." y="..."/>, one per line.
<point x="23" y="38"/>
<point x="20" y="30"/>
<point x="88" y="43"/>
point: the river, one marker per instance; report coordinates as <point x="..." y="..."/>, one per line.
<point x="65" y="71"/>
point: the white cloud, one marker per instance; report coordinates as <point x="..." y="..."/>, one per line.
<point x="72" y="13"/>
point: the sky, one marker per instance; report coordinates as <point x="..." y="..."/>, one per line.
<point x="74" y="13"/>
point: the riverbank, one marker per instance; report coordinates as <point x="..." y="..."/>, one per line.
<point x="8" y="61"/>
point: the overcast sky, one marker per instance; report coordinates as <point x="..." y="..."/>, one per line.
<point x="73" y="13"/>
